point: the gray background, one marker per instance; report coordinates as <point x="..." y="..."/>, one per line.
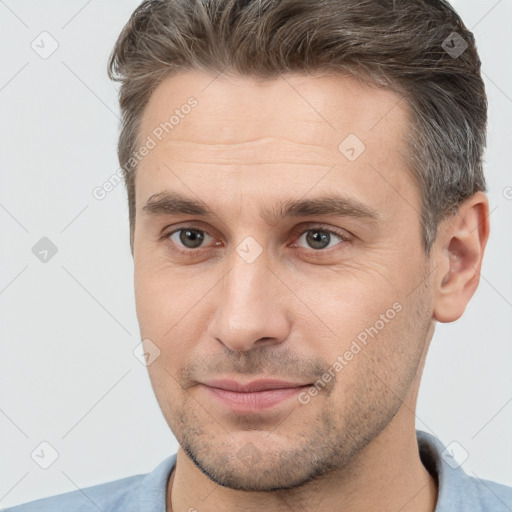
<point x="68" y="373"/>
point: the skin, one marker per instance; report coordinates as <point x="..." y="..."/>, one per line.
<point x="295" y="308"/>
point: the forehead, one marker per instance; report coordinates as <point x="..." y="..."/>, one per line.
<point x="233" y="109"/>
<point x="216" y="129"/>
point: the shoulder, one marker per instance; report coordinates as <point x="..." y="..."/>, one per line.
<point x="126" y="495"/>
<point x="456" y="489"/>
<point x="491" y="496"/>
<point x="100" y="497"/>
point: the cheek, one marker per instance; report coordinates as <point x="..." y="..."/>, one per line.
<point x="166" y="296"/>
<point x="172" y="312"/>
<point x="375" y="369"/>
<point x="345" y="304"/>
<point x="364" y="320"/>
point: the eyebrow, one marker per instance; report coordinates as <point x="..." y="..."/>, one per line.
<point x="174" y="203"/>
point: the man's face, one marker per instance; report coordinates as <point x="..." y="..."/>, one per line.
<point x="337" y="297"/>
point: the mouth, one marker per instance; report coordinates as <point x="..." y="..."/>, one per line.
<point x="254" y="396"/>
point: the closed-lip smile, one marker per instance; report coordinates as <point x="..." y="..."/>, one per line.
<point x="253" y="396"/>
<point x="255" y="385"/>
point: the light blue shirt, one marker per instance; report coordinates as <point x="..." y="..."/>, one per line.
<point x="458" y="492"/>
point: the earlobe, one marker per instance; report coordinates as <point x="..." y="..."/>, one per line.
<point x="460" y="246"/>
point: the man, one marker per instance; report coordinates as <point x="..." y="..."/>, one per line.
<point x="306" y="201"/>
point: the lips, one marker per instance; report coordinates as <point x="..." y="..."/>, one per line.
<point x="256" y="385"/>
<point x="254" y="396"/>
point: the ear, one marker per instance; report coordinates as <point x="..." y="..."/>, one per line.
<point x="459" y="249"/>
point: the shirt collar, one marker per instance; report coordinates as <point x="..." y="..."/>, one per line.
<point x="150" y="493"/>
<point x="456" y="489"/>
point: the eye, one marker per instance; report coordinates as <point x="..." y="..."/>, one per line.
<point x="319" y="238"/>
<point x="189" y="238"/>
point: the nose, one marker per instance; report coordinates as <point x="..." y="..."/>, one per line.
<point x="250" y="306"/>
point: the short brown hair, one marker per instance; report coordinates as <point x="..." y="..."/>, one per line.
<point x="420" y="49"/>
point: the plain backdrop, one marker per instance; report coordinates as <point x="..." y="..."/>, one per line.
<point x="69" y="377"/>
